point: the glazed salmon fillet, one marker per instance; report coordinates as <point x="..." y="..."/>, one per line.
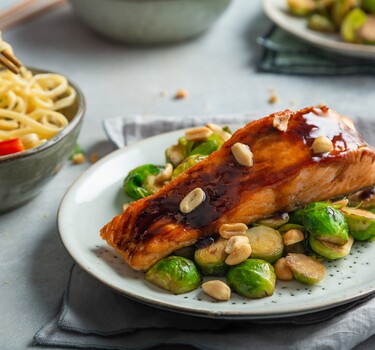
<point x="286" y="174"/>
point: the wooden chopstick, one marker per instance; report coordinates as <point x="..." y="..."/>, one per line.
<point x="19" y="13"/>
<point x="25" y="11"/>
<point x="13" y="59"/>
<point x="7" y="64"/>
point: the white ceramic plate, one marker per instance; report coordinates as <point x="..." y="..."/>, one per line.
<point x="277" y="11"/>
<point x="97" y="196"/>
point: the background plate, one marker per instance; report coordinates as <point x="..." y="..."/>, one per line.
<point x="97" y="196"/>
<point x="277" y="11"/>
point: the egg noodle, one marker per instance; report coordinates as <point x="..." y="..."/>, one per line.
<point x="29" y="104"/>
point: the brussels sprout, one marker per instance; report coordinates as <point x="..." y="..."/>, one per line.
<point x="175" y="274"/>
<point x="139" y="183"/>
<point x="205" y="148"/>
<point x="274" y="221"/>
<point x="330" y="251"/>
<point x="325" y="222"/>
<point x="187" y="252"/>
<point x="297" y="248"/>
<point x="186" y="164"/>
<point x="288" y="227"/>
<point x="227" y="129"/>
<point x="361" y="223"/>
<point x="340" y="9"/>
<point x="253" y="278"/>
<point x="301" y="7"/>
<point x="353" y="21"/>
<point x="211" y="258"/>
<point x="368" y="6"/>
<point x="321" y="23"/>
<point x="305" y="268"/>
<point x="295" y="217"/>
<point x="266" y="243"/>
<point x="364" y="199"/>
<point x="175" y="154"/>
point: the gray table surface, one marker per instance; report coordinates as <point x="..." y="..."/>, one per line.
<point x="217" y="69"/>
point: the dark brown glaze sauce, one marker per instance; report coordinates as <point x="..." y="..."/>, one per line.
<point x="226" y="183"/>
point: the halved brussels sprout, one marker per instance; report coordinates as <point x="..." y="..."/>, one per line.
<point x="253" y="278"/>
<point x="288" y="227"/>
<point x="211" y="258"/>
<point x="352" y="23"/>
<point x="139" y="183"/>
<point x="340" y="9"/>
<point x="186" y="164"/>
<point x="364" y="199"/>
<point x="175" y="154"/>
<point x="305" y="268"/>
<point x="325" y="222"/>
<point x="205" y="148"/>
<point x="266" y="243"/>
<point x="175" y="274"/>
<point x="361" y="223"/>
<point x="321" y="23"/>
<point x="274" y="221"/>
<point x="330" y="251"/>
<point x="301" y="7"/>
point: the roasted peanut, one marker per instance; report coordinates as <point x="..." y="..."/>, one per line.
<point x="192" y="200"/>
<point x="229" y="230"/>
<point x="125" y="206"/>
<point x="198" y="134"/>
<point x="322" y="144"/>
<point x="242" y="154"/>
<point x="282" y="270"/>
<point x="293" y="236"/>
<point x="239" y="254"/>
<point x="218" y="130"/>
<point x="235" y="242"/>
<point x="280" y="121"/>
<point x="78" y="158"/>
<point x="165" y="174"/>
<point x="217" y="290"/>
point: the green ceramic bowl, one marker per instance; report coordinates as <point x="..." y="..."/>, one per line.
<point x="149" y="21"/>
<point x="23" y="175"/>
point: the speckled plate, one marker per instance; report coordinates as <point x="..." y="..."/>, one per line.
<point x="277" y="11"/>
<point x="97" y="196"/>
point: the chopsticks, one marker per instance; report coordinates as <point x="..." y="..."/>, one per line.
<point x="26" y="10"/>
<point x="10" y="61"/>
<point x="17" y="14"/>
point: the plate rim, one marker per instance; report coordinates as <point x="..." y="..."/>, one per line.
<point x="347" y="49"/>
<point x="201" y="312"/>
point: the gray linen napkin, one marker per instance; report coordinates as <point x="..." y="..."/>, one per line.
<point x="285" y="54"/>
<point x="92" y="316"/>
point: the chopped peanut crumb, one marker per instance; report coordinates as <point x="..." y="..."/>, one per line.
<point x="181" y="94"/>
<point x="94" y="157"/>
<point x="78" y="158"/>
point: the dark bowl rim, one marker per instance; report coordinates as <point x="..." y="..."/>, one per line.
<point x="76" y="120"/>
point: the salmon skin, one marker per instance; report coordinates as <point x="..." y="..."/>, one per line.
<point x="286" y="174"/>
